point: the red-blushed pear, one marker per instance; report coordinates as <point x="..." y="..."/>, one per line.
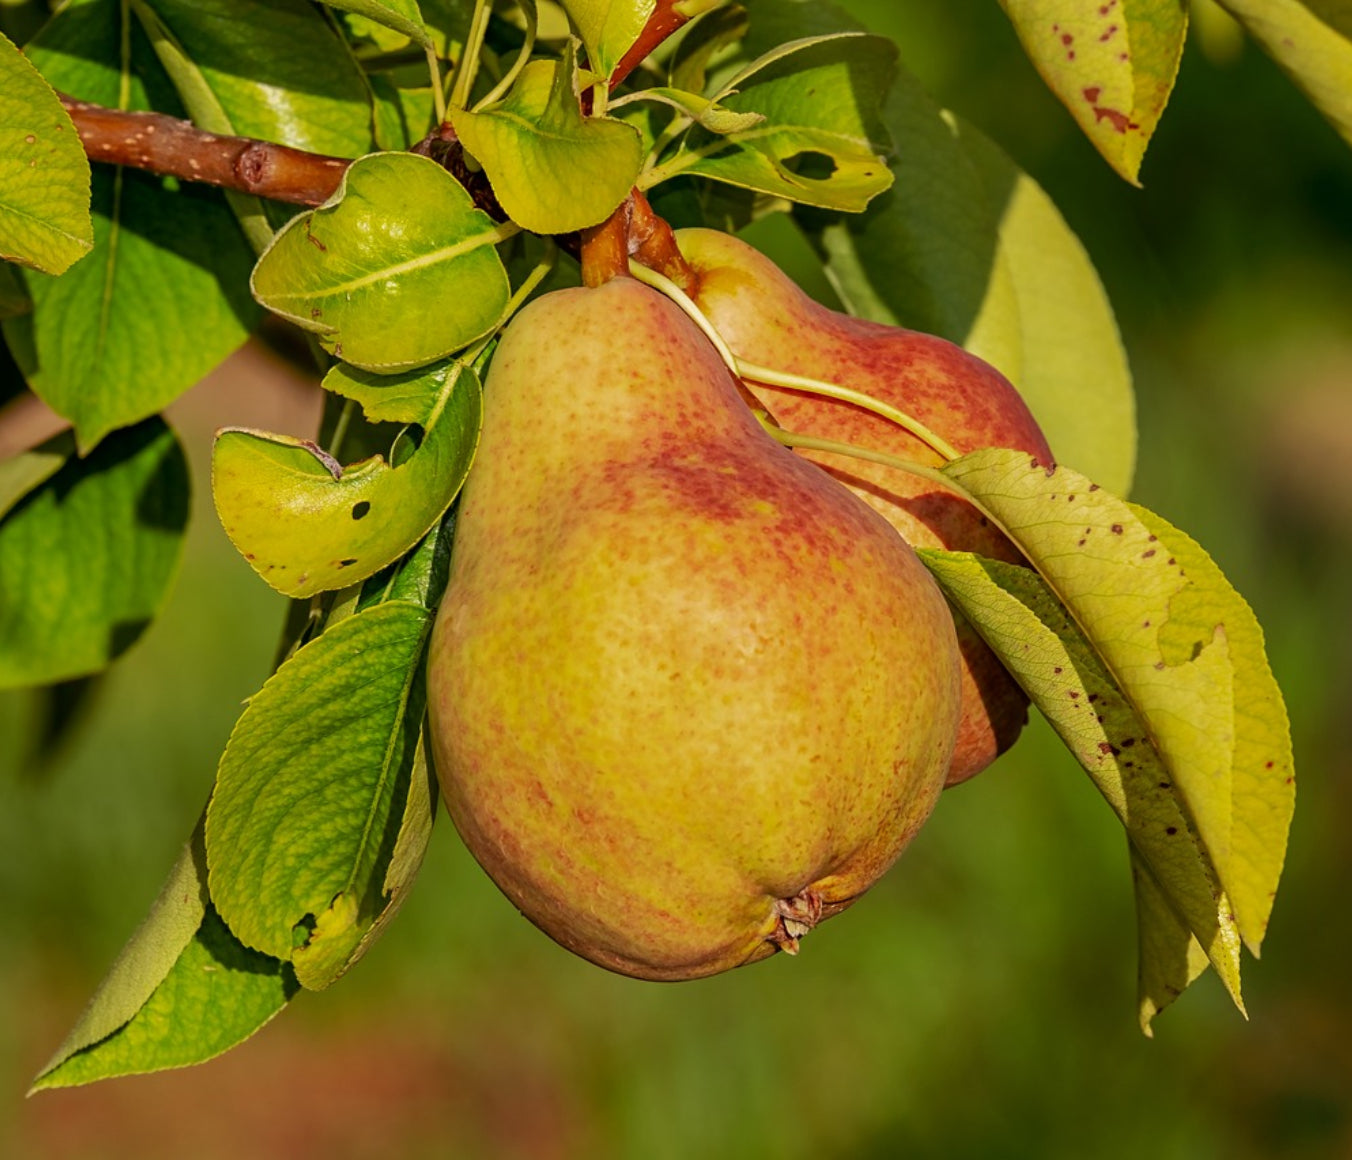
<point x="688" y="695"/>
<point x="768" y="321"/>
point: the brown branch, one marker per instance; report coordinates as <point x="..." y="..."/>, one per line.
<point x="662" y="23"/>
<point x="174" y="148"/>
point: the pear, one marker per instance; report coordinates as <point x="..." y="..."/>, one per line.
<point x="768" y="321"/>
<point x="688" y="695"/>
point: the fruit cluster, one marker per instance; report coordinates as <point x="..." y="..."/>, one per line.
<point x="690" y="692"/>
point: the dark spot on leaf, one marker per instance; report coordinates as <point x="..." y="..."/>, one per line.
<point x="1105" y="748"/>
<point x="1127" y="742"/>
<point x="1093" y="697"/>
<point x="360" y="509"/>
<point x="347" y="563"/>
<point x="1159" y="665"/>
<point x="1171" y="830"/>
<point x="1057" y="671"/>
<point x="1268" y="765"/>
<point x="1166" y="785"/>
<point x="1116" y="529"/>
<point x="1093" y="487"/>
<point x="1070" y="499"/>
<point x="1145" y="624"/>
<point x="1074" y="696"/>
<point x="1147" y="553"/>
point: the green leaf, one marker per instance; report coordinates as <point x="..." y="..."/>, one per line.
<point x="395" y="271"/>
<point x="174" y="919"/>
<point x="22" y="473"/>
<point x="305" y="529"/>
<point x="403" y="16"/>
<point x="215" y="996"/>
<point x="310" y="796"/>
<point x="277" y="69"/>
<point x="820" y="139"/>
<point x="1112" y="64"/>
<point x="86" y="559"/>
<point x="608" y="28"/>
<point x="968" y="247"/>
<point x="1171" y="958"/>
<point x="1312" y="41"/>
<point x="14" y="298"/>
<point x="552" y="169"/>
<point x="702" y="111"/>
<point x="44" y="175"/>
<point x="1057" y="665"/>
<point x="161" y="300"/>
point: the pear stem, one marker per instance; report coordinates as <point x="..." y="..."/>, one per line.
<point x="776" y="378"/>
<point x="835" y="447"/>
<point x="469" y="60"/>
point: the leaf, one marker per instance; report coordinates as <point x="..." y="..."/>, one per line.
<point x="608" y="28"/>
<point x="44" y="175"/>
<point x="1170" y="957"/>
<point x="310" y="794"/>
<point x="22" y="473"/>
<point x="1046" y="322"/>
<point x="150" y="954"/>
<point x="401" y="15"/>
<point x="215" y="996"/>
<point x="704" y="112"/>
<point x="1312" y="42"/>
<point x="1264" y="795"/>
<point x="820" y="139"/>
<point x="1180" y="644"/>
<point x="552" y="169"/>
<point x="277" y="69"/>
<point x="968" y="247"/>
<point x="1112" y="64"/>
<point x="306" y="530"/>
<point x="14" y="298"/>
<point x="86" y="558"/>
<point x="161" y="299"/>
<point x="395" y="271"/>
<point x="1093" y="711"/>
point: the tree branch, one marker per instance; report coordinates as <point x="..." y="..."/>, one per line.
<point x="174" y="148"/>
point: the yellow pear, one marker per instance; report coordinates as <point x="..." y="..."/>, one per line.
<point x="688" y="695"/>
<point x="768" y="321"/>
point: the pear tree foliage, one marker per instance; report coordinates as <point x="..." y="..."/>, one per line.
<point x="466" y="155"/>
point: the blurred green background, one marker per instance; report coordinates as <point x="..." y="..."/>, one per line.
<point x="980" y="1002"/>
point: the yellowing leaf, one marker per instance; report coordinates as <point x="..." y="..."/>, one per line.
<point x="1112" y="63"/>
<point x="552" y="169"/>
<point x="1058" y="666"/>
<point x="1312" y="41"/>
<point x="1170" y="956"/>
<point x="1264" y="793"/>
<point x="1046" y="323"/>
<point x="395" y="271"/>
<point x="307" y="525"/>
<point x="44" y="175"/>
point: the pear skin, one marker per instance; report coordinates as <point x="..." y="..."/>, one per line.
<point x="768" y="321"/>
<point x="688" y="695"/>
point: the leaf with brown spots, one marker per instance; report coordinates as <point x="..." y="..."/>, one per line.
<point x="1112" y="63"/>
<point x="1152" y="668"/>
<point x="1057" y="665"/>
